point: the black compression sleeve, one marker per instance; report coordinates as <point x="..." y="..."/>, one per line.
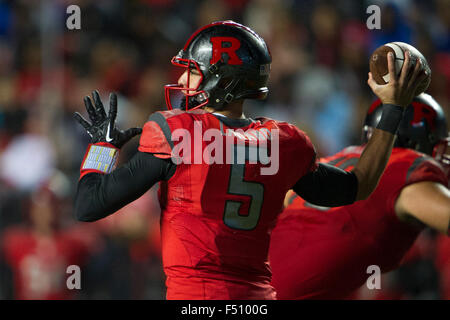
<point x="99" y="195"/>
<point x="328" y="186"/>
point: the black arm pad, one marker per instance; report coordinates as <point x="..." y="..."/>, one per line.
<point x="99" y="195"/>
<point x="328" y="186"/>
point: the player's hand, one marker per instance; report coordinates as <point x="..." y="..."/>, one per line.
<point x="400" y="90"/>
<point x="102" y="127"/>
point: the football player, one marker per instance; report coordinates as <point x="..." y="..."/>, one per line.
<point x="220" y="192"/>
<point x="325" y="253"/>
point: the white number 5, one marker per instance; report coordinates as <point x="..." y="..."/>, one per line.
<point x="254" y="190"/>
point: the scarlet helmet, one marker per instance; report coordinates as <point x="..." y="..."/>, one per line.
<point x="233" y="61"/>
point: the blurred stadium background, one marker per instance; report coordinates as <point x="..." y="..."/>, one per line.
<point x="320" y="55"/>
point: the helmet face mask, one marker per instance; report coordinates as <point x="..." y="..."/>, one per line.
<point x="234" y="63"/>
<point x="423" y="127"/>
<point x="441" y="153"/>
<point x="185" y="95"/>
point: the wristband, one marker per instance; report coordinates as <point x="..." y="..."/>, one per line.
<point x="99" y="158"/>
<point x="390" y="118"/>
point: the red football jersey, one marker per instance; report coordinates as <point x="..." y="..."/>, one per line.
<point x="217" y="216"/>
<point x="443" y="264"/>
<point x="324" y="253"/>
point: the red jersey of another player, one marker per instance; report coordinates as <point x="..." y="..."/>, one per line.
<point x="324" y="253"/>
<point x="217" y="216"/>
<point x="443" y="265"/>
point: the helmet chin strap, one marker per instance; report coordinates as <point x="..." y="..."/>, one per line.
<point x="192" y="103"/>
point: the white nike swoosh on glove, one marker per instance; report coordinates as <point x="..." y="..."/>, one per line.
<point x="108" y="138"/>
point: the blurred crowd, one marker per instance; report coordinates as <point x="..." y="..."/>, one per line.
<point x="320" y="52"/>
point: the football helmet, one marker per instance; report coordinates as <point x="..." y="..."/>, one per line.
<point x="423" y="127"/>
<point x="233" y="62"/>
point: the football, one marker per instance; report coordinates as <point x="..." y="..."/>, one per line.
<point x="379" y="67"/>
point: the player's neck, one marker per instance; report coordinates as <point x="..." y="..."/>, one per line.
<point x="233" y="110"/>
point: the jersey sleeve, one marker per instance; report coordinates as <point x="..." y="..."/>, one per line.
<point x="425" y="169"/>
<point x="422" y="168"/>
<point x="156" y="137"/>
<point x="313" y="163"/>
<point x="304" y="153"/>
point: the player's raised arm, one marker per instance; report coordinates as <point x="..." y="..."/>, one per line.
<point x="102" y="190"/>
<point x="331" y="186"/>
<point x="395" y="96"/>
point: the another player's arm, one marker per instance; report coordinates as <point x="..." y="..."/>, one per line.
<point x="426" y="201"/>
<point x="331" y="186"/>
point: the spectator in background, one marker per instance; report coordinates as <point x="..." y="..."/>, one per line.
<point x="39" y="253"/>
<point x="394" y="27"/>
<point x="28" y="160"/>
<point x="130" y="254"/>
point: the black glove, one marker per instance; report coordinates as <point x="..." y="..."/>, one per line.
<point x="103" y="127"/>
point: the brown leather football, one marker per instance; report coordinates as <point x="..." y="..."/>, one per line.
<point x="379" y="68"/>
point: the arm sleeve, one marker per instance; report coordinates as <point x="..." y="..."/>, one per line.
<point x="328" y="186"/>
<point x="99" y="195"/>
